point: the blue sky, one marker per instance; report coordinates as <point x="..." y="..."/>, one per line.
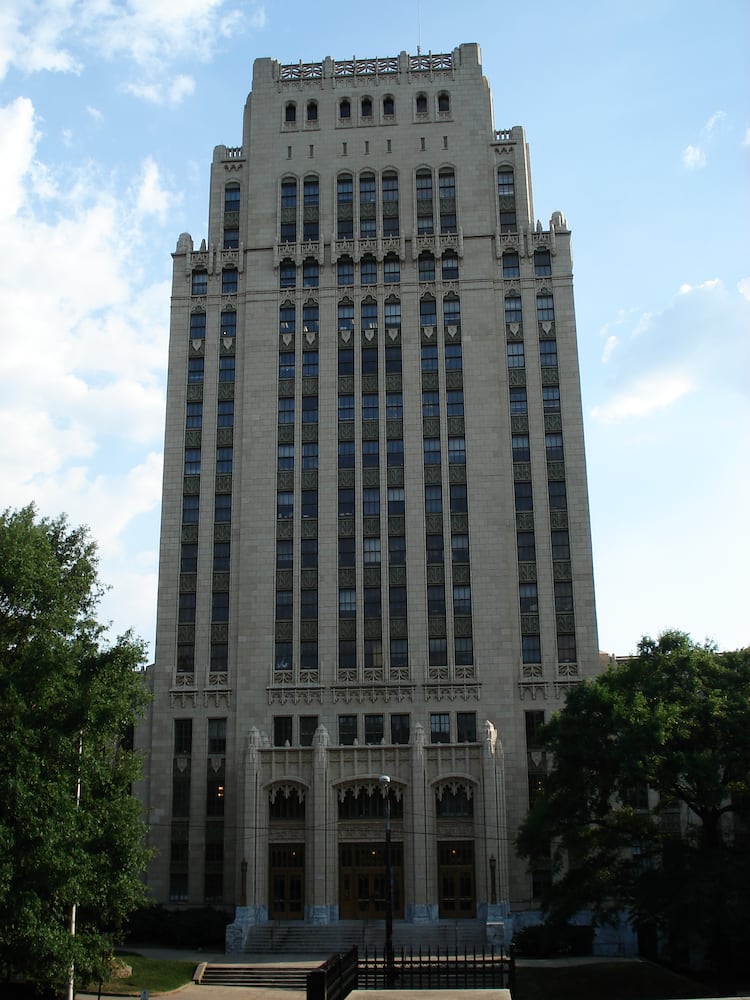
<point x="638" y="120"/>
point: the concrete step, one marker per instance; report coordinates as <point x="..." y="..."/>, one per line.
<point x="276" y="977"/>
<point x="323" y="940"/>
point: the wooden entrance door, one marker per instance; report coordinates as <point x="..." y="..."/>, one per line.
<point x="362" y="881"/>
<point x="286" y="895"/>
<point x="456" y="880"/>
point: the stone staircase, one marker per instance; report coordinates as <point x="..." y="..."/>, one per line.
<point x="258" y="976"/>
<point x="322" y="940"/>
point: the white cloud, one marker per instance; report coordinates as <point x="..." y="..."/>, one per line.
<point x="746" y="139"/>
<point x="648" y="374"/>
<point x="643" y="397"/>
<point x="151" y="198"/>
<point x="713" y="121"/>
<point x="83" y="341"/>
<point x="164" y="92"/>
<point x="609" y="348"/>
<point x="693" y="157"/>
<point x="18" y="137"/>
<point x="643" y="324"/>
<point x="154" y="35"/>
<point x="94" y="113"/>
<point x="709" y="285"/>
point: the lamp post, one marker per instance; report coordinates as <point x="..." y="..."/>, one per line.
<point x="385" y="781"/>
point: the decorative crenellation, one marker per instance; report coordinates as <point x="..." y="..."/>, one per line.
<point x="533" y="690"/>
<point x="217" y="698"/>
<point x="351" y="69"/>
<point x="361" y="693"/>
<point x="452" y="692"/>
<point x="454" y="787"/>
<point x="369" y="788"/>
<point x="286" y="790"/>
<point x="289" y="694"/>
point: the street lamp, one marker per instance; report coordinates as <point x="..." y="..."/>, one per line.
<point x="385" y="781"/>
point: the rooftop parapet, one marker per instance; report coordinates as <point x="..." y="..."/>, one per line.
<point x="347" y="68"/>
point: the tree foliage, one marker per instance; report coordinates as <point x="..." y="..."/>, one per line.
<point x="69" y="700"/>
<point x="646" y="806"/>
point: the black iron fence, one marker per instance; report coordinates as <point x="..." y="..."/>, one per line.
<point x="335" y="978"/>
<point x="426" y="969"/>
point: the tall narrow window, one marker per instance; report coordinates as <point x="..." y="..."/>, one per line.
<point x="232" y="198"/>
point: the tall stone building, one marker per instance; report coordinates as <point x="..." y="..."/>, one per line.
<point x="375" y="550"/>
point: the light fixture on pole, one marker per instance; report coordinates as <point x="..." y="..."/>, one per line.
<point x="385" y="781"/>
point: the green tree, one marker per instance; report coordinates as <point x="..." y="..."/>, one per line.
<point x="70" y="831"/>
<point x="646" y="806"/>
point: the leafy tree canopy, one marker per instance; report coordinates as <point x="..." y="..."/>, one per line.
<point x="646" y="806"/>
<point x="70" y="831"/>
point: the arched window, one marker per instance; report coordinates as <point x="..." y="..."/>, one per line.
<point x="285" y="803"/>
<point x="311" y="191"/>
<point x="451" y="310"/>
<point x="368" y="803"/>
<point x="232" y="198"/>
<point x="444" y="101"/>
<point x="310" y="317"/>
<point x="389" y="107"/>
<point x="287" y="317"/>
<point x="366" y="107"/>
<point x="390" y="204"/>
<point x="447" y="190"/>
<point x="229" y="323"/>
<point x="450" y="266"/>
<point x="425" y="221"/>
<point x="199" y="284"/>
<point x="345" y="272"/>
<point x="392" y="269"/>
<point x="393" y="314"/>
<point x="421" y="104"/>
<point x="513" y="313"/>
<point x="288" y="226"/>
<point x="453" y="802"/>
<point x="542" y="263"/>
<point x="428" y="311"/>
<point x="287" y="273"/>
<point x="511" y="265"/>
<point x="369" y="314"/>
<point x="505" y="185"/>
<point x="345" y="108"/>
<point x="367" y="212"/>
<point x="447" y="184"/>
<point x="545" y="308"/>
<point x="290" y="112"/>
<point x="312" y="111"/>
<point x="346" y="315"/>
<point x="426" y="267"/>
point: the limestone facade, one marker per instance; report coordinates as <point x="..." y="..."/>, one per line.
<point x="375" y="548"/>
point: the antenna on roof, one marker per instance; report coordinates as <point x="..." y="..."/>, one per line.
<point x="419" y="27"/>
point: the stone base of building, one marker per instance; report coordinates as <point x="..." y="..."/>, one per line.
<point x="236" y="933"/>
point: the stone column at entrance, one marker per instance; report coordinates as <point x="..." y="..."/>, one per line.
<point x="418" y="911"/>
<point x="254" y="849"/>
<point x="320" y="865"/>
<point x="494" y="843"/>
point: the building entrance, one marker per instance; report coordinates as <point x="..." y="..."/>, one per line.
<point x="286" y="891"/>
<point x="362" y="881"/>
<point x="456" y="879"/>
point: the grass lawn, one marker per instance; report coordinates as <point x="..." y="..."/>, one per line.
<point x="152" y="974"/>
<point x="605" y="981"/>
